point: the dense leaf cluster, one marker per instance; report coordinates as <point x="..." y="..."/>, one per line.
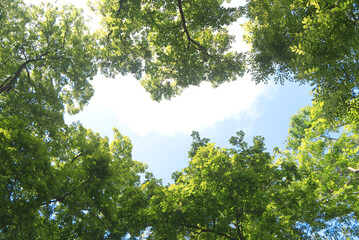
<point x="315" y="41"/>
<point x="169" y="44"/>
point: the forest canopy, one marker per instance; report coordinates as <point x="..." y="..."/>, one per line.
<point x="60" y="181"/>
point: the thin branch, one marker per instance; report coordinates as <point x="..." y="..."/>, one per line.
<point x="352" y="179"/>
<point x="117" y="15"/>
<point x="64" y="39"/>
<point x="329" y="138"/>
<point x="61" y="199"/>
<point x="172" y="69"/>
<point x="79" y="155"/>
<point x="193" y="3"/>
<point x="207" y="230"/>
<point x="8" y="83"/>
<point x="173" y="27"/>
<point x="183" y="20"/>
<point x="120" y="7"/>
<point x="189" y="39"/>
<point x="28" y="74"/>
<point x="74" y="190"/>
<point x="239" y="228"/>
<point x="353" y="169"/>
<point x="47" y="44"/>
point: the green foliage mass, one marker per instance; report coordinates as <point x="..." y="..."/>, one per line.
<point x="58" y="181"/>
<point x="47" y="57"/>
<point x="315" y="41"/>
<point x="236" y="193"/>
<point x="61" y="181"/>
<point x="169" y="44"/>
<point x="326" y="155"/>
<point x="75" y="186"/>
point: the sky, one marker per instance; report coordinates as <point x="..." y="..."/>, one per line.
<point x="160" y="132"/>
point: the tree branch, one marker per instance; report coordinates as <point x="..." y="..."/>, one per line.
<point x="64" y="40"/>
<point x="73" y="190"/>
<point x="79" y="155"/>
<point x="61" y="199"/>
<point x="28" y="74"/>
<point x="9" y="82"/>
<point x="239" y="228"/>
<point x="329" y="138"/>
<point x="183" y="20"/>
<point x="117" y="14"/>
<point x="189" y="39"/>
<point x="207" y="230"/>
<point x="352" y="179"/>
<point x="353" y="169"/>
<point x="173" y="27"/>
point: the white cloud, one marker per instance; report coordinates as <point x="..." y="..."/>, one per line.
<point x="197" y="108"/>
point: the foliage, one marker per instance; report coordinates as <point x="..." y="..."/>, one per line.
<point x="170" y="44"/>
<point x="77" y="186"/>
<point x="58" y="181"/>
<point x="235" y="193"/>
<point x="47" y="58"/>
<point x="315" y="41"/>
<point x="327" y="157"/>
<point x="66" y="182"/>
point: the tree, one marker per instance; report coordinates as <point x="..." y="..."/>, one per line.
<point x="326" y="154"/>
<point x="58" y="181"/>
<point x="235" y="193"/>
<point x="169" y="44"/>
<point x="307" y="41"/>
<point x="47" y="58"/>
<point x="66" y="182"/>
<point x="77" y="186"/>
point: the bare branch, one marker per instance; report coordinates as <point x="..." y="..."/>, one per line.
<point x="353" y="169"/>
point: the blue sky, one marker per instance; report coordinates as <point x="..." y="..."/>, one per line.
<point x="160" y="132"/>
<point x="161" y="138"/>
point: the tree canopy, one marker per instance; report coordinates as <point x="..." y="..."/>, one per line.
<point x="46" y="53"/>
<point x="327" y="158"/>
<point x="307" y="41"/>
<point x="74" y="186"/>
<point x="169" y="44"/>
<point x="225" y="194"/>
<point x="60" y="181"/>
